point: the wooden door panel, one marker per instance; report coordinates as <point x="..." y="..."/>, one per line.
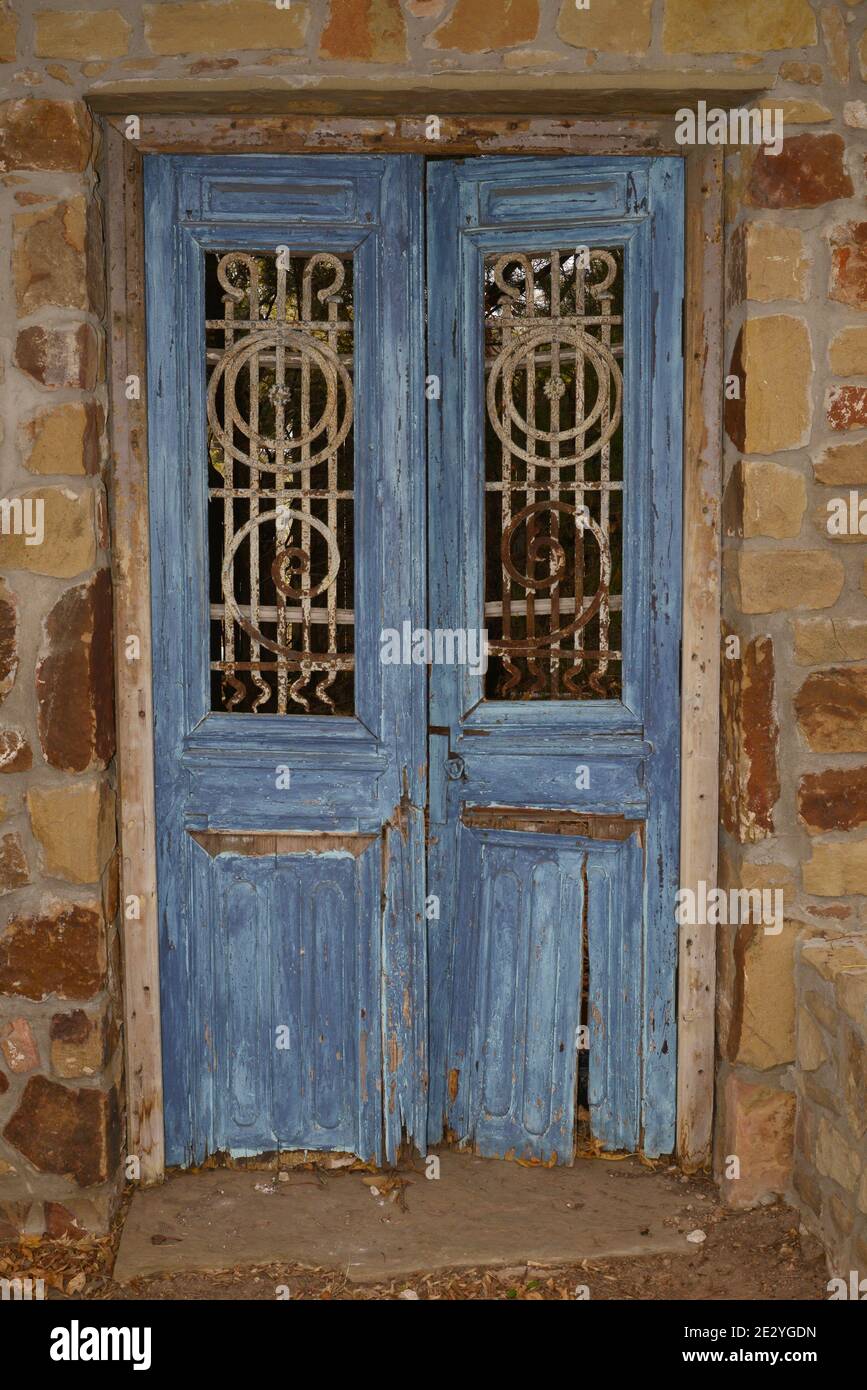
<point x="554" y="455"/>
<point x="296" y="1039"/>
<point x="287" y="528"/>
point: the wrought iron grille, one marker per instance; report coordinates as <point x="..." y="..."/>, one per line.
<point x="279" y="349"/>
<point x="554" y="474"/>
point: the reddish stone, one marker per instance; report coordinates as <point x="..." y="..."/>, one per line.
<point x="211" y="65"/>
<point x="60" y="357"/>
<point x="835" y="799"/>
<point x="8" y="643"/>
<point x="750" y="776"/>
<point x="71" y="1028"/>
<point x="831" y="708"/>
<point x="18" y="1045"/>
<point x="849" y="264"/>
<point x="60" y="953"/>
<point x="75" y="679"/>
<point x="14" y="870"/>
<point x="77" y="1214"/>
<point x="846" y="407"/>
<point x="838" y="911"/>
<point x="16" y="754"/>
<point x="372" y="31"/>
<point x="59" y="1221"/>
<point x="13" y="1219"/>
<point x="39" y="134"/>
<point x="809" y="170"/>
<point x="81" y="1045"/>
<point x="74" y="1133"/>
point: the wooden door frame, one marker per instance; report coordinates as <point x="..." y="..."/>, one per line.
<point x="703" y="366"/>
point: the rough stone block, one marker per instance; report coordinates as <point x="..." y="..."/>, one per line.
<point x="759" y="1124"/>
<point x="847" y="355"/>
<point x="68" y="545"/>
<point x="842" y="465"/>
<point x="846" y="407"/>
<point x="74" y="823"/>
<point x="60" y="952"/>
<point x="81" y="35"/>
<point x="44" y="135"/>
<point x="831" y="708"/>
<point x="849" y="264"/>
<point x="75" y="679"/>
<point x="14" y="869"/>
<point x="73" y="1133"/>
<point x="740" y="26"/>
<point x="618" y="26"/>
<point x="771" y="581"/>
<point x="819" y="641"/>
<point x="809" y="170"/>
<point x="777" y="264"/>
<point x="69" y="358"/>
<point x="203" y="27"/>
<point x="367" y="31"/>
<point x="18" y="1046"/>
<point x="81" y="1044"/>
<point x="835" y="799"/>
<point x="63" y="439"/>
<point x="773" y="364"/>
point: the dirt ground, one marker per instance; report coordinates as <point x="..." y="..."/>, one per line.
<point x="752" y="1255"/>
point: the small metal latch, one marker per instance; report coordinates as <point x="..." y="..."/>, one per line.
<point x="445" y="767"/>
<point x="455" y="767"/>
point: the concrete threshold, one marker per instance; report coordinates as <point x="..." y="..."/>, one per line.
<point x="480" y="1212"/>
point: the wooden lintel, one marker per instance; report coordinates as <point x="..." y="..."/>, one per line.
<point x="464" y="94"/>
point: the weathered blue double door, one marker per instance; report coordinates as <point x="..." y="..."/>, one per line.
<point x="414" y="452"/>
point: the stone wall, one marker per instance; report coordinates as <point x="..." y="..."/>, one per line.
<point x="830" y="1175"/>
<point x="60" y="1059"/>
<point x="794" y="765"/>
<point x="793" y="813"/>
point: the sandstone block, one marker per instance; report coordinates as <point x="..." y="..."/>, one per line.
<point x="63" y="439"/>
<point x="74" y="823"/>
<point x="777" y="264"/>
<point x="771" y="581"/>
<point x="773" y="363"/>
<point x="68" y="544"/>
<point x="847" y="355"/>
<point x="200" y="26"/>
<point x="619" y="26"/>
<point x="741" y="26"/>
<point x="81" y="35"/>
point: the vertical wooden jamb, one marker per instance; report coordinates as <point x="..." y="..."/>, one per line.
<point x="703" y="367"/>
<point x="132" y="618"/>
